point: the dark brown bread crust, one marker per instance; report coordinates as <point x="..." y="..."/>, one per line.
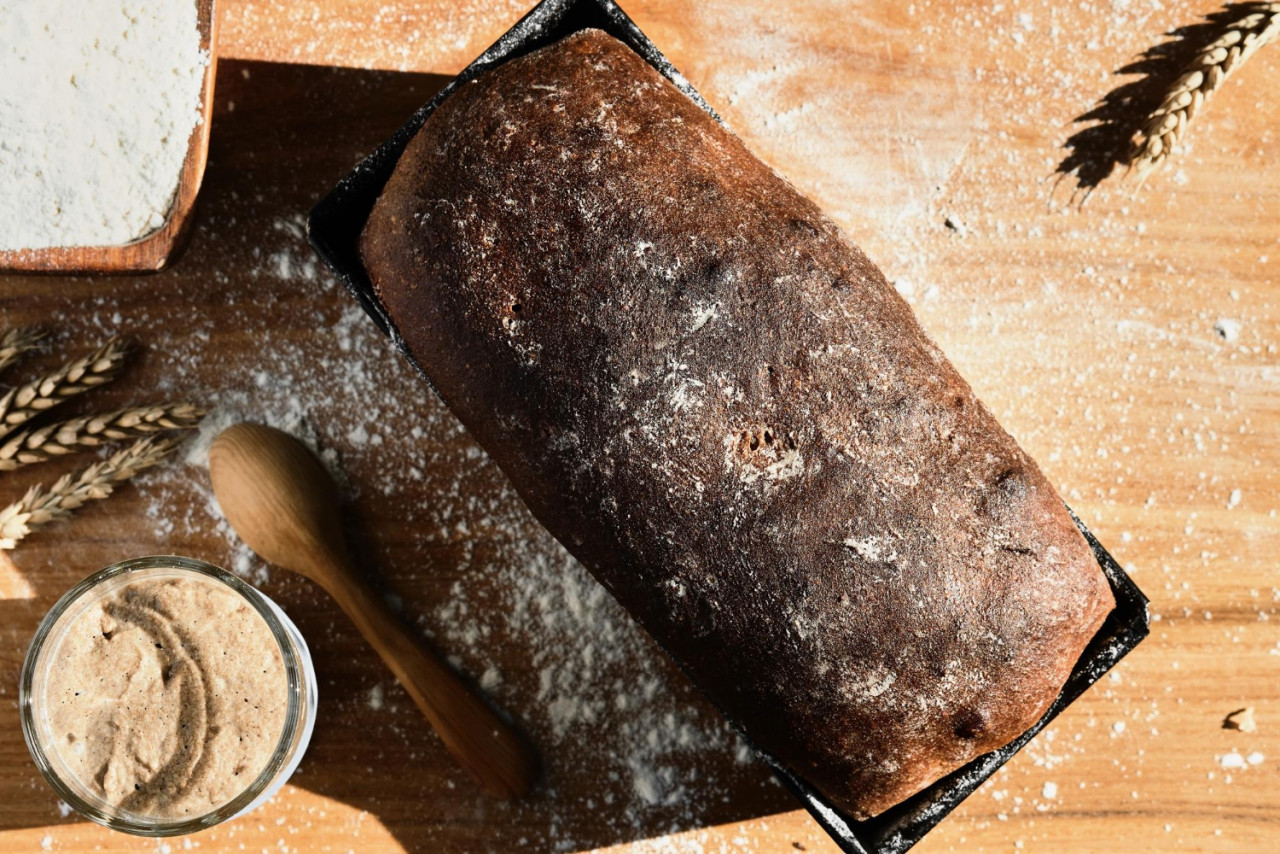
<point x="721" y="407"/>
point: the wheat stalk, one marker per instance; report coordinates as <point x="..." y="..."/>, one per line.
<point x="25" y="402"/>
<point x="41" y="506"/>
<point x="1258" y="24"/>
<point x="15" y="342"/>
<point x="90" y="431"/>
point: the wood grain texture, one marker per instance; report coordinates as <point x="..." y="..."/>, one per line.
<point x="156" y="250"/>
<point x="1132" y="346"/>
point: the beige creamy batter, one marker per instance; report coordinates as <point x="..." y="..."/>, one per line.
<point x="166" y="697"/>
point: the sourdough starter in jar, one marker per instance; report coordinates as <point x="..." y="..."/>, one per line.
<point x="167" y="696"/>
<point x="163" y="695"/>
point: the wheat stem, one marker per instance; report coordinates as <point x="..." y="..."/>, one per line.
<point x="25" y="402"/>
<point x="15" y="342"/>
<point x="91" y="431"/>
<point x="40" y="506"/>
<point x="1258" y="24"/>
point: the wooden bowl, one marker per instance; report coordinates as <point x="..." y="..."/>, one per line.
<point x="153" y="251"/>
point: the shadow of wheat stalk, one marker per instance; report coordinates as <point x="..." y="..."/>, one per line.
<point x="1138" y="123"/>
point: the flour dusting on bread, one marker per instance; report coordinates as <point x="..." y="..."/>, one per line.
<point x="720" y="406"/>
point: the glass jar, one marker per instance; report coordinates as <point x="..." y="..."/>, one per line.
<point x="299" y="715"/>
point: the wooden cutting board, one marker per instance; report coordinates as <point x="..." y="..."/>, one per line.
<point x="1132" y="345"/>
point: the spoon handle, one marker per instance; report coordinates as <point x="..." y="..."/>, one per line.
<point x="487" y="746"/>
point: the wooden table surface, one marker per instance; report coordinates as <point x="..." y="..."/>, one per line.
<point x="1129" y="344"/>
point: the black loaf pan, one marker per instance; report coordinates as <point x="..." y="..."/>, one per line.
<point x="334" y="230"/>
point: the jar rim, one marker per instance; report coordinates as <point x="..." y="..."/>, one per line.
<point x="157" y="826"/>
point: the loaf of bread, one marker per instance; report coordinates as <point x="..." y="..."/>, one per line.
<point x="719" y="405"/>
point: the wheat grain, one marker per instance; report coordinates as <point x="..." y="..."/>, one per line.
<point x="25" y="402"/>
<point x="40" y="506"/>
<point x="15" y="342"/>
<point x="91" y="431"/>
<point x="1257" y="24"/>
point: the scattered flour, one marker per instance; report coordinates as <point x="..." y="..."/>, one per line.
<point x="624" y="735"/>
<point x="490" y="679"/>
<point x="1228" y="330"/>
<point x="1232" y="760"/>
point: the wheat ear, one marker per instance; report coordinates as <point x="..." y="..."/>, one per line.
<point x="15" y="342"/>
<point x="91" y="431"/>
<point x="25" y="402"/>
<point x="1258" y="24"/>
<point x="41" y="506"/>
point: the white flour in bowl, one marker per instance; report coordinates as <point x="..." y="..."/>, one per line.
<point x="97" y="104"/>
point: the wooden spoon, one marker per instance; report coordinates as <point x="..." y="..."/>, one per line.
<point x="284" y="505"/>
